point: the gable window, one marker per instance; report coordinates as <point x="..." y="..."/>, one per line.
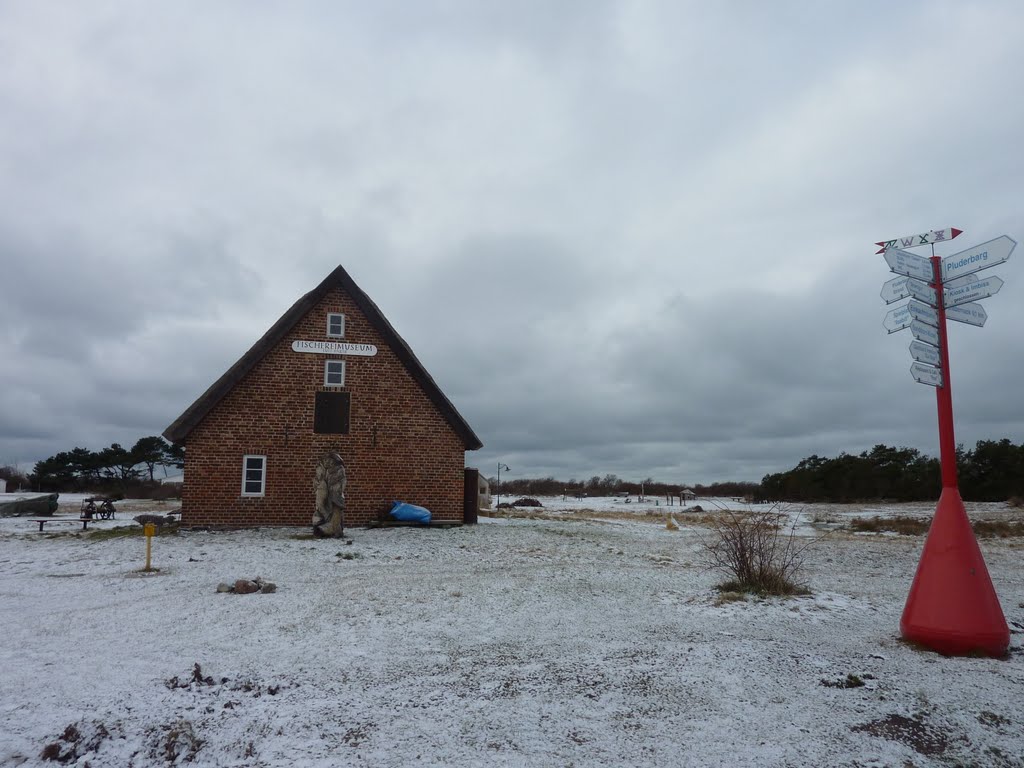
<point x="336" y="325"/>
<point x="254" y="475"/>
<point x="330" y="416"/>
<point x="334" y="373"/>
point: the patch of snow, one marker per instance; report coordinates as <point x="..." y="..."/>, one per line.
<point x="514" y="642"/>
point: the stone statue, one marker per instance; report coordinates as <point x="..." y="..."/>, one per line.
<point x="329" y="482"/>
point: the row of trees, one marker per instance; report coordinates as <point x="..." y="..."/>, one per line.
<point x="611" y="485"/>
<point x="992" y="471"/>
<point x="83" y="470"/>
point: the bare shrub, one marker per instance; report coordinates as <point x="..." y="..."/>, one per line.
<point x="16" y="479"/>
<point x="757" y="552"/>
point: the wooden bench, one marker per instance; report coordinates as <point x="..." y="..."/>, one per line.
<point x="44" y="520"/>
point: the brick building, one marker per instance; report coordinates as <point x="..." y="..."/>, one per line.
<point x="331" y="375"/>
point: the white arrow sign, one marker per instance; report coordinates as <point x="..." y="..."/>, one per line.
<point x="925" y="333"/>
<point x="935" y="236"/>
<point x="972" y="314"/>
<point x="909" y="264"/>
<point x="925" y="353"/>
<point x="977" y="258"/>
<point x="923" y="312"/>
<point x="979" y="290"/>
<point x="959" y="281"/>
<point x="894" y="290"/>
<point x="926" y="374"/>
<point x="897" y="319"/>
<point x="922" y="292"/>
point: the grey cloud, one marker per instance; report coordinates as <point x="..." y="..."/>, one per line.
<point x="630" y="238"/>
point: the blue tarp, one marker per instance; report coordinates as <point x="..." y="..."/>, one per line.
<point x="410" y="513"/>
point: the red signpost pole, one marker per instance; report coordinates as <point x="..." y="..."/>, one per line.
<point x="952" y="606"/>
<point x="944" y="394"/>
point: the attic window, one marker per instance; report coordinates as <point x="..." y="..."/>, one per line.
<point x="336" y="325"/>
<point x="334" y="373"/>
<point x="331" y="412"/>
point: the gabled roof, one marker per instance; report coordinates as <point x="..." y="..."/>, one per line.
<point x="184" y="424"/>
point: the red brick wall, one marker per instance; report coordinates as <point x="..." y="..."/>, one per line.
<point x="413" y="454"/>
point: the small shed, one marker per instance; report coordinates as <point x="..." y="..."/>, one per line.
<point x="483" y="493"/>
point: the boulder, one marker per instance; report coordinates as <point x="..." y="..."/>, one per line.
<point x="246" y="587"/>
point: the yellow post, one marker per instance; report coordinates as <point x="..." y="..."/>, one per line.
<point x="149" y="529"/>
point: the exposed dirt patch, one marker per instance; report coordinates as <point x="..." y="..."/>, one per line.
<point x="913" y="731"/>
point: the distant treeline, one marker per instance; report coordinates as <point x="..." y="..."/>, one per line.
<point x="111" y="470"/>
<point x="993" y="471"/>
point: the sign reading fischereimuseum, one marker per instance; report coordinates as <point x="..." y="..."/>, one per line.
<point x="334" y="348"/>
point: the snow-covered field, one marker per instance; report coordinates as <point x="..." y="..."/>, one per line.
<point x="587" y="636"/>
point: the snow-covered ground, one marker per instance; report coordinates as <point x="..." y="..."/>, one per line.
<point x="582" y="636"/>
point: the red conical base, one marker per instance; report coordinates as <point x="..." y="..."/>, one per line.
<point x="952" y="607"/>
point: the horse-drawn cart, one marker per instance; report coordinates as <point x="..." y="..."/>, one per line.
<point x="104" y="509"/>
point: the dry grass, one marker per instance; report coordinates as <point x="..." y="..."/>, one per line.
<point x="725" y="597"/>
<point x="905" y="526"/>
<point x="911" y="526"/>
<point x="998" y="529"/>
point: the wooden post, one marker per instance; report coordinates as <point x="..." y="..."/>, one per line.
<point x="149" y="529"/>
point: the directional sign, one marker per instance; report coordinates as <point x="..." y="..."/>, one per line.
<point x="924" y="333"/>
<point x="979" y="290"/>
<point x="926" y="374"/>
<point x="925" y="353"/>
<point x="972" y="314"/>
<point x="979" y="257"/>
<point x="959" y="281"/>
<point x="935" y="236"/>
<point x="910" y="264"/>
<point x="897" y="319"/>
<point x="894" y="290"/>
<point x="922" y="292"/>
<point x="923" y="312"/>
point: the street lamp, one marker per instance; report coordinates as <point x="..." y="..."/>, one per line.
<point x="497" y="485"/>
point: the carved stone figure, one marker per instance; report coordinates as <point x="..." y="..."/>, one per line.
<point x="329" y="482"/>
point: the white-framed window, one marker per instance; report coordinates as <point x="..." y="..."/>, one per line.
<point x="254" y="475"/>
<point x="336" y="325"/>
<point x="334" y="373"/>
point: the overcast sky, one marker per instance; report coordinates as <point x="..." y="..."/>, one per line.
<point x="624" y="237"/>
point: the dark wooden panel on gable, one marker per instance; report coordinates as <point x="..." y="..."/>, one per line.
<point x="330" y="416"/>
